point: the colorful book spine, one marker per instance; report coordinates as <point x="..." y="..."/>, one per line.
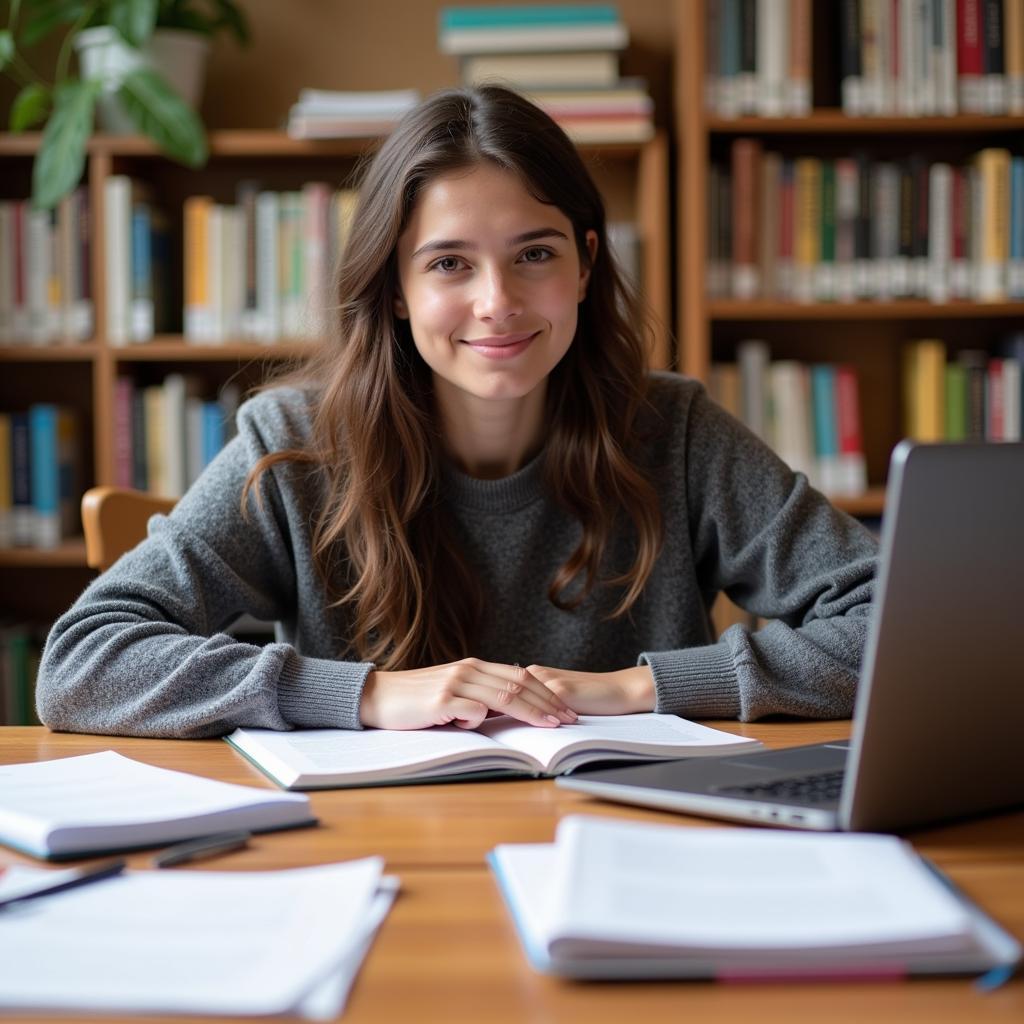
<point x="22" y="514"/>
<point x="53" y="437"/>
<point x="6" y="497"/>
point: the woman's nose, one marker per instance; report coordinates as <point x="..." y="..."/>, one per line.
<point x="497" y="299"/>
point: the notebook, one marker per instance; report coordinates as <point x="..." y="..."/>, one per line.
<point x="104" y="802"/>
<point x="937" y="723"/>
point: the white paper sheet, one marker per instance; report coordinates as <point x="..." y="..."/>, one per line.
<point x="193" y="942"/>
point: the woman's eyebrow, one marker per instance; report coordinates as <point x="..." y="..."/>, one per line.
<point x="435" y="245"/>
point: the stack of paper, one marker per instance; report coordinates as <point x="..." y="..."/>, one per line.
<point x="611" y="899"/>
<point x="243" y="943"/>
<point x="98" y="803"/>
<point x="323" y="114"/>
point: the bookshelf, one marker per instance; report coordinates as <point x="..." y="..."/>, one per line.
<point x="38" y="584"/>
<point x="868" y="334"/>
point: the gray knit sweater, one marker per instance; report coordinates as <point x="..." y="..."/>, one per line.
<point x="144" y="650"/>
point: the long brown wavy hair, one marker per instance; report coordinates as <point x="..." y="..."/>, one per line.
<point x="383" y="542"/>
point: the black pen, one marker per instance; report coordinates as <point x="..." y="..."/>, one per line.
<point x="67" y="880"/>
<point x="195" y="849"/>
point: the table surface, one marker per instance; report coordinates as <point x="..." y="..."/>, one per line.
<point x="448" y="951"/>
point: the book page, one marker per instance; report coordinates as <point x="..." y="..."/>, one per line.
<point x="322" y="755"/>
<point x="603" y="735"/>
<point x="743" y="889"/>
<point x="102" y="792"/>
<point x="204" y="942"/>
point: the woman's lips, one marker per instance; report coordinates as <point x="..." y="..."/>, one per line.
<point x="506" y="346"/>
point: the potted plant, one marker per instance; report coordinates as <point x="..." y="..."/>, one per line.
<point x="120" y="44"/>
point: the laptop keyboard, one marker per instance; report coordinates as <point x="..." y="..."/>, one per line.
<point x="822" y="787"/>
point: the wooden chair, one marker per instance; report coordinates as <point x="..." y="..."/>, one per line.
<point x="114" y="520"/>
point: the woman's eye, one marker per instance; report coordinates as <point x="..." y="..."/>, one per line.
<point x="536" y="255"/>
<point x="447" y="264"/>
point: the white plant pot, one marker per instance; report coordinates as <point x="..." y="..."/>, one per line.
<point x="179" y="56"/>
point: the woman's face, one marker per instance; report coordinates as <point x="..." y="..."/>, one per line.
<point x="490" y="281"/>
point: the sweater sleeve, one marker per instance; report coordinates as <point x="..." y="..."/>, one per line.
<point x="144" y="652"/>
<point x="778" y="549"/>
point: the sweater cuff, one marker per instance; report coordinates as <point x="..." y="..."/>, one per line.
<point x="316" y="693"/>
<point x="698" y="682"/>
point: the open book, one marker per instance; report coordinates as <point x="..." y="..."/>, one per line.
<point x="99" y="803"/>
<point x="333" y="758"/>
<point x="612" y="899"/>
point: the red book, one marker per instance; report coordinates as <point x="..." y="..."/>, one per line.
<point x="969" y="67"/>
<point x="124" y="398"/>
<point x="852" y="465"/>
<point x="746" y="176"/>
<point x="851" y="440"/>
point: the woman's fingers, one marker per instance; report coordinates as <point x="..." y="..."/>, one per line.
<point x="513" y="682"/>
<point x="520" y="705"/>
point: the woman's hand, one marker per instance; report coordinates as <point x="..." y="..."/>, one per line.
<point x="625" y="692"/>
<point x="462" y="692"/>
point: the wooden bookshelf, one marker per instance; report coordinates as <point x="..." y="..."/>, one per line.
<point x="869" y="334"/>
<point x="634" y="178"/>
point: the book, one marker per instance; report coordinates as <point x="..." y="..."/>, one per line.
<point x="337" y="758"/>
<point x="530" y="28"/>
<point x="97" y="803"/>
<point x="54" y="446"/>
<point x="615" y="899"/>
<point x="6" y="493"/>
<point x="543" y="70"/>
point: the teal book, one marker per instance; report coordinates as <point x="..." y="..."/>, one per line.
<point x="826" y="427"/>
<point x="528" y="15"/>
<point x="53" y="443"/>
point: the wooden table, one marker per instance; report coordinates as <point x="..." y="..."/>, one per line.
<point x="448" y="951"/>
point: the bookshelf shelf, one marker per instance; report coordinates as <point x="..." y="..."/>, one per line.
<point x="170" y="348"/>
<point x="69" y="555"/>
<point x="835" y="122"/>
<point x="744" y="310"/>
<point x="48" y="353"/>
<point x="263" y="143"/>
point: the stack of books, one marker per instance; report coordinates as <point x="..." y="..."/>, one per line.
<point x="291" y="243"/>
<point x="564" y="58"/>
<point x="810" y="414"/>
<point x="45" y="289"/>
<point x="166" y="434"/>
<point x="327" y="114"/>
<point x="816" y="229"/>
<point x="975" y="396"/>
<point x="40" y="450"/>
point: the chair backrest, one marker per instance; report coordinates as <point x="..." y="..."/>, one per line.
<point x="114" y="520"/>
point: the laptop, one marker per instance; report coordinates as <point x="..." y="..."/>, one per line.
<point x="938" y="726"/>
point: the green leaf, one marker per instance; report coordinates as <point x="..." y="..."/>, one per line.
<point x="164" y="116"/>
<point x="6" y="48"/>
<point x="30" y="107"/>
<point x="46" y="15"/>
<point x="232" y="17"/>
<point x="134" y="19"/>
<point x="60" y="161"/>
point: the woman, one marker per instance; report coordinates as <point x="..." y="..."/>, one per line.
<point x="476" y="474"/>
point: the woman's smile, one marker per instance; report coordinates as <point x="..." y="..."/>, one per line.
<point x="506" y="346"/>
